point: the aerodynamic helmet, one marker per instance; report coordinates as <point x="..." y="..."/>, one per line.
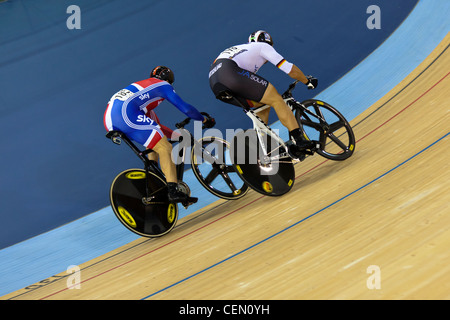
<point x="260" y="36"/>
<point x="163" y="73"/>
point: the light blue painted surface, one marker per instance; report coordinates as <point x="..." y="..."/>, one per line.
<point x="98" y="233"/>
<point x="398" y="56"/>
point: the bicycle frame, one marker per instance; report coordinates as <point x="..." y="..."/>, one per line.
<point x="117" y="137"/>
<point x="261" y="128"/>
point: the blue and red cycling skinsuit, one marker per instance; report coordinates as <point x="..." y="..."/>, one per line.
<point x="131" y="111"/>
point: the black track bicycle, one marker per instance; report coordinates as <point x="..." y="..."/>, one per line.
<point x="139" y="197"/>
<point x="262" y="158"/>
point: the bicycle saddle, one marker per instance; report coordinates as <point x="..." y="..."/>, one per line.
<point x="115" y="136"/>
<point x="113" y="133"/>
<point x="228" y="97"/>
<point x="225" y="96"/>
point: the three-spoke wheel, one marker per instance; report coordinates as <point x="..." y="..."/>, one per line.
<point x="323" y="123"/>
<point x="213" y="169"/>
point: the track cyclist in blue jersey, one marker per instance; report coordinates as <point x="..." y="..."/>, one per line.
<point x="235" y="70"/>
<point x="131" y="111"/>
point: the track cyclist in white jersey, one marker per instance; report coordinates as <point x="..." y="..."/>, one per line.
<point x="234" y="70"/>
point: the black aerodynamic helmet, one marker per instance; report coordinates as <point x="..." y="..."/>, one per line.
<point x="163" y="73"/>
<point x="260" y="36"/>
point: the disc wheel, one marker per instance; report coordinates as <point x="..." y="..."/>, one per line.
<point x="148" y="217"/>
<point x="263" y="166"/>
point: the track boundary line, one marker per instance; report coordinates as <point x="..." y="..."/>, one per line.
<point x="302" y="220"/>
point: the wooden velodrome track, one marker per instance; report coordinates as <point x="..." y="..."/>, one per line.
<point x="386" y="206"/>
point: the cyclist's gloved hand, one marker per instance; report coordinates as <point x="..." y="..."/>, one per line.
<point x="209" y="122"/>
<point x="312" y="82"/>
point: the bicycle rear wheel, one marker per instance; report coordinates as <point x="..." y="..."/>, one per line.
<point x="323" y="123"/>
<point x="269" y="172"/>
<point x="212" y="168"/>
<point x="146" y="217"/>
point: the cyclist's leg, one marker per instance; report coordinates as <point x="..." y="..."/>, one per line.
<point x="147" y="132"/>
<point x="160" y="145"/>
<point x="287" y="118"/>
<point x="272" y="98"/>
<point x="153" y="156"/>
<point x="284" y="113"/>
<point x="163" y="148"/>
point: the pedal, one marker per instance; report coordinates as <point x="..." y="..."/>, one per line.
<point x="296" y="153"/>
<point x="317" y="145"/>
<point x="301" y="157"/>
<point x="183" y="187"/>
<point x="313" y="149"/>
<point x="188" y="202"/>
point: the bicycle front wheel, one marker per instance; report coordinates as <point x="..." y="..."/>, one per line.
<point x="323" y="123"/>
<point x="213" y="169"/>
<point x="152" y="216"/>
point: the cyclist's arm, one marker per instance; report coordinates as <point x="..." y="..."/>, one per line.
<point x="183" y="106"/>
<point x="270" y="54"/>
<point x="297" y="74"/>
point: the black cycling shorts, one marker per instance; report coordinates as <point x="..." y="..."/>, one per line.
<point x="226" y="75"/>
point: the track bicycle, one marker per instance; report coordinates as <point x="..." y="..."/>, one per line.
<point x="262" y="159"/>
<point x="139" y="197"/>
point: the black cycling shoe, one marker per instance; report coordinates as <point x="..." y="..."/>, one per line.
<point x="177" y="196"/>
<point x="301" y="142"/>
<point x="306" y="146"/>
<point x="302" y="148"/>
<point x="296" y="152"/>
<point x="181" y="197"/>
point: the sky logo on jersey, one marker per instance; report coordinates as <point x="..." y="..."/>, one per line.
<point x="143" y="118"/>
<point x="251" y="76"/>
<point x="144" y="96"/>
